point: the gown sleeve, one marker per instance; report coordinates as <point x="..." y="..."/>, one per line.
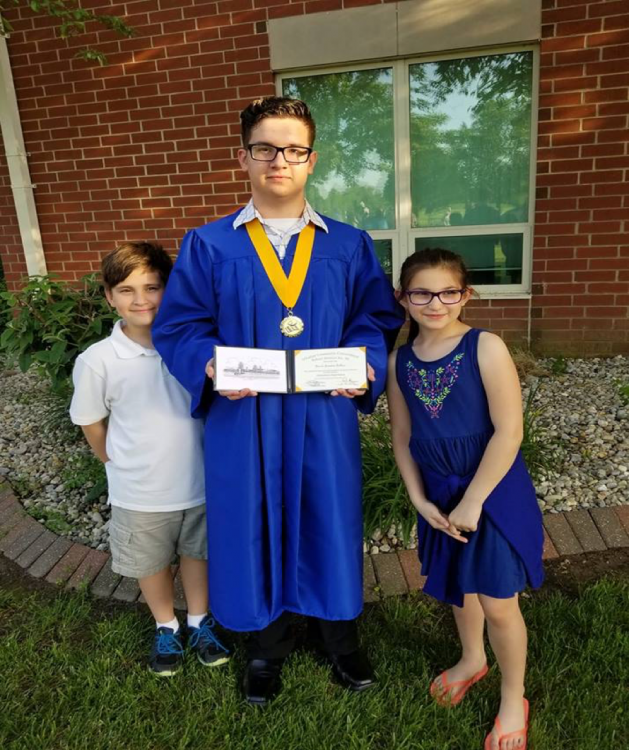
<point x="185" y="329"/>
<point x="374" y="318"/>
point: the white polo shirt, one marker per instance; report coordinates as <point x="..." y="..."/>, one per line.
<point x="154" y="446"/>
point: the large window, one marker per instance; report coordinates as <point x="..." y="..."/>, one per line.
<point x="355" y="181"/>
<point x="427" y="153"/>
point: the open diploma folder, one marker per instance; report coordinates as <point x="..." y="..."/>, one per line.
<point x="279" y="371"/>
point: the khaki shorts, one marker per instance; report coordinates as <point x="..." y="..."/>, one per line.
<point x="143" y="543"/>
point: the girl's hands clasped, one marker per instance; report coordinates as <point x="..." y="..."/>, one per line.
<point x="439" y="521"/>
<point x="465" y="516"/>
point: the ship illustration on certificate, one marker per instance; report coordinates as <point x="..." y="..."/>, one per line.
<point x="260" y="369"/>
<point x="263" y="370"/>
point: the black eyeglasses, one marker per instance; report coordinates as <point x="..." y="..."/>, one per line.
<point x="424" y="297"/>
<point x="291" y="154"/>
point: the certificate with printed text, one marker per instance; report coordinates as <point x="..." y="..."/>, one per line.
<point x="329" y="369"/>
<point x="280" y="371"/>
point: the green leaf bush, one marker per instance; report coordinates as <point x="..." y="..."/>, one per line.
<point x="541" y="454"/>
<point x="385" y="500"/>
<point x="70" y="20"/>
<point x="51" y="322"/>
<point x="5" y="310"/>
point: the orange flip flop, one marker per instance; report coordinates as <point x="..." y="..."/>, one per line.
<point x="510" y="735"/>
<point x="450" y="694"/>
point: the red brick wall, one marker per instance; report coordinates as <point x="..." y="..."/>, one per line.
<point x="11" y="253"/>
<point x="508" y="318"/>
<point x="581" y="252"/>
<point x="145" y="147"/>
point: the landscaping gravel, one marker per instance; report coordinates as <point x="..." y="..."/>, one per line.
<point x="582" y="419"/>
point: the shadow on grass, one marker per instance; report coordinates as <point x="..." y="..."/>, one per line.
<point x="75" y="677"/>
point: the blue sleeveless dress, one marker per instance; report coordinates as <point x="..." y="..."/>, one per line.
<point x="451" y="427"/>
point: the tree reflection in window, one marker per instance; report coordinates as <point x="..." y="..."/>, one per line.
<point x="470" y="127"/>
<point x="354" y="180"/>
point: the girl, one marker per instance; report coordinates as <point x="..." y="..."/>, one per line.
<point x="456" y="420"/>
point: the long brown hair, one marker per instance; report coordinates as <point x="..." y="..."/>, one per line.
<point x="430" y="257"/>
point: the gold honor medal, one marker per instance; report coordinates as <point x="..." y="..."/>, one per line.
<point x="291" y="325"/>
<point x="288" y="288"/>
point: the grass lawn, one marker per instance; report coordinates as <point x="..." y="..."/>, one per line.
<point x="74" y="676"/>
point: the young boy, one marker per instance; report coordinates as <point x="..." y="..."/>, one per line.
<point x="136" y="419"/>
<point x="284" y="515"/>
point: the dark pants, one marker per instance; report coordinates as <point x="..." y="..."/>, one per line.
<point x="277" y="640"/>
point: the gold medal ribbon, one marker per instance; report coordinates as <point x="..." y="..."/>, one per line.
<point x="287" y="289"/>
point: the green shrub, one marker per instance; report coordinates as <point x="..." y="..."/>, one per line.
<point x="559" y="366"/>
<point x="540" y="453"/>
<point x="52" y="322"/>
<point x="5" y="310"/>
<point x="385" y="500"/>
<point x="56" y="413"/>
<point x="52" y="520"/>
<point x="85" y="469"/>
<point x="24" y="486"/>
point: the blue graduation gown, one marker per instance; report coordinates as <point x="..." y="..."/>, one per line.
<point x="283" y="473"/>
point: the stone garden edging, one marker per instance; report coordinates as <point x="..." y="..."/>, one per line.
<point x="57" y="560"/>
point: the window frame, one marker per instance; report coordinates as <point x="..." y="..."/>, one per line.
<point x="404" y="235"/>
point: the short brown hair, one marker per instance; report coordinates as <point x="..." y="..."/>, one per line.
<point x="276" y="106"/>
<point x="122" y="261"/>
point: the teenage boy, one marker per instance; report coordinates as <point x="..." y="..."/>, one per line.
<point x="284" y="514"/>
<point x="136" y="418"/>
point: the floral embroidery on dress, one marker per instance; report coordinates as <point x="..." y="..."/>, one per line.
<point x="432" y="386"/>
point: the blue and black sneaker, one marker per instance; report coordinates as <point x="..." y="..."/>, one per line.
<point x="203" y="641"/>
<point x="167" y="652"/>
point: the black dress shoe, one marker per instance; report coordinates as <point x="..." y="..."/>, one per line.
<point x="353" y="670"/>
<point x="262" y="680"/>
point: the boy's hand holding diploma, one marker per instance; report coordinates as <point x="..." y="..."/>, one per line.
<point x="231" y="395"/>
